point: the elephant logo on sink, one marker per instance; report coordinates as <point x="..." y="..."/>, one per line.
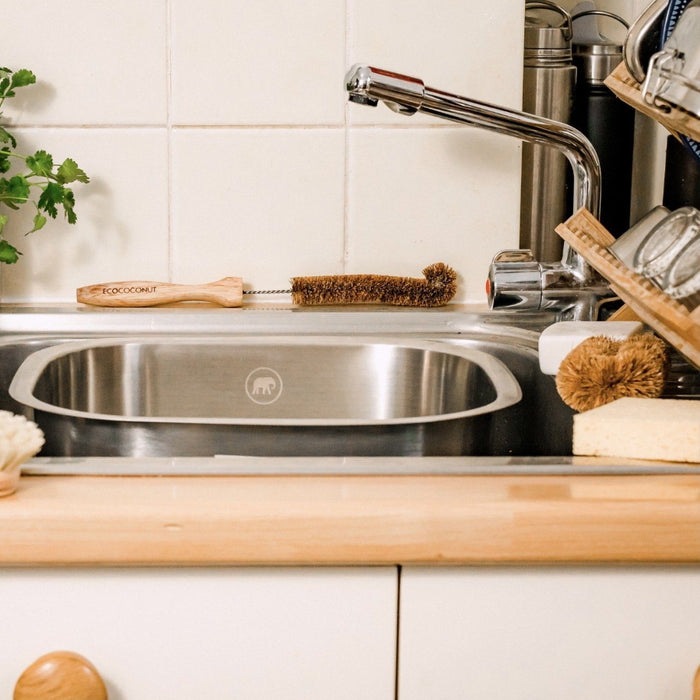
<point x="263" y="385"/>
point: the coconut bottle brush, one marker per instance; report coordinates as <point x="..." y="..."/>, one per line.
<point x="436" y="288"/>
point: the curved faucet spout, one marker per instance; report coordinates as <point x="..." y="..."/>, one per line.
<point x="401" y="93"/>
<point x="406" y="95"/>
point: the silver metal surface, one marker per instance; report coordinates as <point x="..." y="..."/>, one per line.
<point x="367" y="85"/>
<point x="594" y="55"/>
<point x="522" y="286"/>
<point x="571" y="286"/>
<point x="549" y="79"/>
<point x="315" y="380"/>
<point x="543" y="39"/>
<point x="673" y="77"/>
<point x="81" y="321"/>
<point x="643" y="39"/>
<point x="538" y="424"/>
<point x="274" y="396"/>
<point x="532" y="436"/>
<point x="596" y="61"/>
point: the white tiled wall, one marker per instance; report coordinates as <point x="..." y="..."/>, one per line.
<point x="219" y="141"/>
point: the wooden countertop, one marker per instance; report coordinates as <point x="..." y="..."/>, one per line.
<point x="217" y="520"/>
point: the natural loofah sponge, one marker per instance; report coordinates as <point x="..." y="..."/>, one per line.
<point x="601" y="369"/>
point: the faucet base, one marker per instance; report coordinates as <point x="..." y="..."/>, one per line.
<point x="517" y="281"/>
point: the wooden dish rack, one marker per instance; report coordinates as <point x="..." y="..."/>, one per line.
<point x="586" y="235"/>
<point x="677" y="121"/>
<point x="668" y="317"/>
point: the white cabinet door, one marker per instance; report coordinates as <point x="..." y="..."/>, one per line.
<point x="549" y="633"/>
<point x="214" y="633"/>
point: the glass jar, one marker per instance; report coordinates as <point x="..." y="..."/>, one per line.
<point x="664" y="244"/>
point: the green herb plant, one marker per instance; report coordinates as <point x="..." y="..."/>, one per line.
<point x="39" y="181"/>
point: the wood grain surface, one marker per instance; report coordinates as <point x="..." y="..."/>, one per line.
<point x="677" y="121"/>
<point x="60" y="675"/>
<point x="679" y="326"/>
<point x="54" y="520"/>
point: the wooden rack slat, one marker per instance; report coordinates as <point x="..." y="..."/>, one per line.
<point x="681" y="328"/>
<point x="677" y="121"/>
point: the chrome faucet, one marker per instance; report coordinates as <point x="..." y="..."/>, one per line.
<point x="516" y="280"/>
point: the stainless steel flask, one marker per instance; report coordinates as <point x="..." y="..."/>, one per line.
<point x="549" y="77"/>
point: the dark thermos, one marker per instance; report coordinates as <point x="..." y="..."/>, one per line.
<point x="681" y="176"/>
<point x="606" y="120"/>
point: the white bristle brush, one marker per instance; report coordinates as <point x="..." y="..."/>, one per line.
<point x="20" y="439"/>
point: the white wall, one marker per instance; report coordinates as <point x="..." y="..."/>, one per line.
<point x="219" y="141"/>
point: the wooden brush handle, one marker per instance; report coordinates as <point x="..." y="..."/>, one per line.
<point x="60" y="675"/>
<point x="225" y="292"/>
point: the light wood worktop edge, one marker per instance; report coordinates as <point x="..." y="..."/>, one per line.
<point x="340" y="520"/>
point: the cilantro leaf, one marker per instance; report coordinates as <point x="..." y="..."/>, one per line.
<point x="7" y="137"/>
<point x="51" y="196"/>
<point x="69" y="171"/>
<point x="23" y="77"/>
<point x="14" y="191"/>
<point x="41" y="163"/>
<point x="39" y="222"/>
<point x="18" y="190"/>
<point x="8" y="253"/>
<point x="4" y="160"/>
<point x="68" y="204"/>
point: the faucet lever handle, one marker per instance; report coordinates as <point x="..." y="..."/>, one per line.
<point x="521" y="255"/>
<point x="515" y="280"/>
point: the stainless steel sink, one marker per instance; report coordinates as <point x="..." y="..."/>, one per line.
<point x="274" y="396"/>
<point x="271" y="384"/>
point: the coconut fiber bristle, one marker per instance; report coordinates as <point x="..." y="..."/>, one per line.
<point x="600" y="370"/>
<point x="438" y="287"/>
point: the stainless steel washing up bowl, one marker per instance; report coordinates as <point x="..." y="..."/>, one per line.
<point x="177" y="396"/>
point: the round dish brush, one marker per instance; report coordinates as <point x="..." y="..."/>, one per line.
<point x="436" y="289"/>
<point x="20" y="439"/>
<point x="601" y="369"/>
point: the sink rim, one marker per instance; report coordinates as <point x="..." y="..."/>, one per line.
<point x="508" y="390"/>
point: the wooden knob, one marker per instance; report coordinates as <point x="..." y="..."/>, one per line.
<point x="60" y="675"/>
<point x="696" y="685"/>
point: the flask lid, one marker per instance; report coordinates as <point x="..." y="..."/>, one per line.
<point x="595" y="62"/>
<point x="548" y="32"/>
<point x="594" y="55"/>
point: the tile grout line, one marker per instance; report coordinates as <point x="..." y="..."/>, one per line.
<point x="169" y="124"/>
<point x="346" y="151"/>
<point x="169" y="136"/>
<point x="397" y="647"/>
